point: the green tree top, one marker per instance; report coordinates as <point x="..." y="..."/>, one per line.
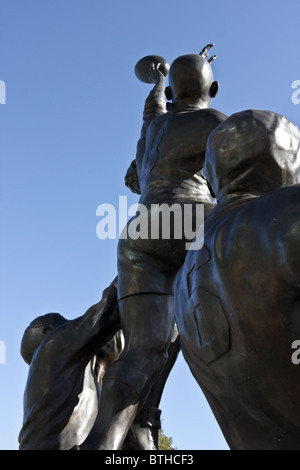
<point x="164" y="442"/>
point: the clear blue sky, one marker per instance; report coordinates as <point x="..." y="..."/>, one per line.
<point x="68" y="133"/>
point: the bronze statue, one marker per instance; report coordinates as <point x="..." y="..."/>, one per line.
<point x="169" y="162"/>
<point x="144" y="431"/>
<point x="69" y="364"/>
<point x="237" y="299"/>
<point x="62" y="391"/>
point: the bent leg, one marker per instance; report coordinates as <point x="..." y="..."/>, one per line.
<point x="146" y="425"/>
<point x="147" y="323"/>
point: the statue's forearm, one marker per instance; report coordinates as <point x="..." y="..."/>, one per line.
<point x="155" y="104"/>
<point x="101" y="321"/>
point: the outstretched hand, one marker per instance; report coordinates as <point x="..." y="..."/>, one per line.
<point x="204" y="53"/>
<point x="155" y="74"/>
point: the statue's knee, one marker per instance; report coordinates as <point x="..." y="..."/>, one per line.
<point x="137" y="371"/>
<point x="130" y="375"/>
<point x="150" y="360"/>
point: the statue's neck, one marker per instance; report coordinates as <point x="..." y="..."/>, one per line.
<point x="184" y="107"/>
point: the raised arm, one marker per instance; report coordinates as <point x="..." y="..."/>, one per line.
<point x="155" y="105"/>
<point x="99" y="323"/>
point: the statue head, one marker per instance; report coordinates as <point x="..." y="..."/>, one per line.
<point x="252" y="151"/>
<point x="191" y="80"/>
<point x="36" y="332"/>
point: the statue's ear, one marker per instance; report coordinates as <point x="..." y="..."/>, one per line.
<point x="168" y="93"/>
<point x="213" y="89"/>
